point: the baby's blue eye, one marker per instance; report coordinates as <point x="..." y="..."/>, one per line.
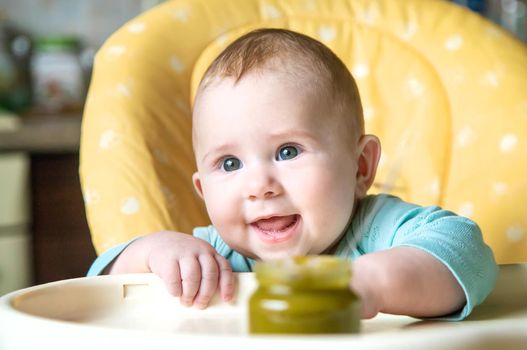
<point x="231" y="164"/>
<point x="287" y="152"/>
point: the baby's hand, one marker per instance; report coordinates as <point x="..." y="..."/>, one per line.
<point x="190" y="267"/>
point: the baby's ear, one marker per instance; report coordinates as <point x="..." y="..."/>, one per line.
<point x="369" y="149"/>
<point x="197" y="184"/>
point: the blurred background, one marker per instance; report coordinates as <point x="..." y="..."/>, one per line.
<point x="46" y="55"/>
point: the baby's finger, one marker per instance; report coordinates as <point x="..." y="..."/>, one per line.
<point x="171" y="276"/>
<point x="209" y="280"/>
<point x="190" y="278"/>
<point x="226" y="278"/>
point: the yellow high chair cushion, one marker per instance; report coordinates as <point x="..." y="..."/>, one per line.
<point x="443" y="88"/>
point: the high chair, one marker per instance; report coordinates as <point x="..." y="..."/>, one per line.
<point x="443" y="88"/>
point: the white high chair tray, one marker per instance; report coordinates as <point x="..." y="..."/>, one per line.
<point x="135" y="311"/>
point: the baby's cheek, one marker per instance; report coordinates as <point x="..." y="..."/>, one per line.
<point x="221" y="209"/>
<point x="331" y="198"/>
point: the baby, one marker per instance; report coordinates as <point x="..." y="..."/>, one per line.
<point x="284" y="166"/>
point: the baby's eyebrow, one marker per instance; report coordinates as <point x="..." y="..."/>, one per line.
<point x="221" y="149"/>
<point x="293" y="133"/>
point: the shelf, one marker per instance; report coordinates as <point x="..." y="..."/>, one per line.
<point x="43" y="134"/>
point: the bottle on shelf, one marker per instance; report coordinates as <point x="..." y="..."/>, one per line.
<point x="57" y="75"/>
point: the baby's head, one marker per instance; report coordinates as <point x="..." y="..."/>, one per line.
<point x="279" y="140"/>
<point x="299" y="61"/>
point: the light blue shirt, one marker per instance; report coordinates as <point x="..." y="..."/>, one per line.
<point x="383" y="222"/>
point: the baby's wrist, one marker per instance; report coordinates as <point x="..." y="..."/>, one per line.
<point x="368" y="282"/>
<point x="133" y="259"/>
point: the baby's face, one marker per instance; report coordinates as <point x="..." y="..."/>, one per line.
<point x="276" y="179"/>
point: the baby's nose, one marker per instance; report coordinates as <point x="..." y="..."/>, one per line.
<point x="266" y="195"/>
<point x="262" y="185"/>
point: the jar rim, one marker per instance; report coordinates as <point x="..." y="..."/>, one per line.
<point x="307" y="272"/>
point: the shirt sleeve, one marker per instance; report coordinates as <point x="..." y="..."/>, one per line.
<point x="455" y="241"/>
<point x="239" y="263"/>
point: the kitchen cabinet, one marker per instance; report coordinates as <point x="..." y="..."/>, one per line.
<point x="60" y="239"/>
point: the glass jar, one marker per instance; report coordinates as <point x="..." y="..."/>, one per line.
<point x="304" y="295"/>
<point x="8" y="76"/>
<point x="58" y="82"/>
<point x="15" y="48"/>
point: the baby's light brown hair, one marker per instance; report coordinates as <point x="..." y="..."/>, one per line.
<point x="306" y="60"/>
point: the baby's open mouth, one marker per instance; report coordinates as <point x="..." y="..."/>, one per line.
<point x="276" y="224"/>
<point x="277" y="229"/>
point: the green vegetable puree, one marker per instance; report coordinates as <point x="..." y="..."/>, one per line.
<point x="304" y="295"/>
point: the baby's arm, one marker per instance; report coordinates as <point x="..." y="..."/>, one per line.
<point x="419" y="261"/>
<point x="189" y="267"/>
<point x="407" y="281"/>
